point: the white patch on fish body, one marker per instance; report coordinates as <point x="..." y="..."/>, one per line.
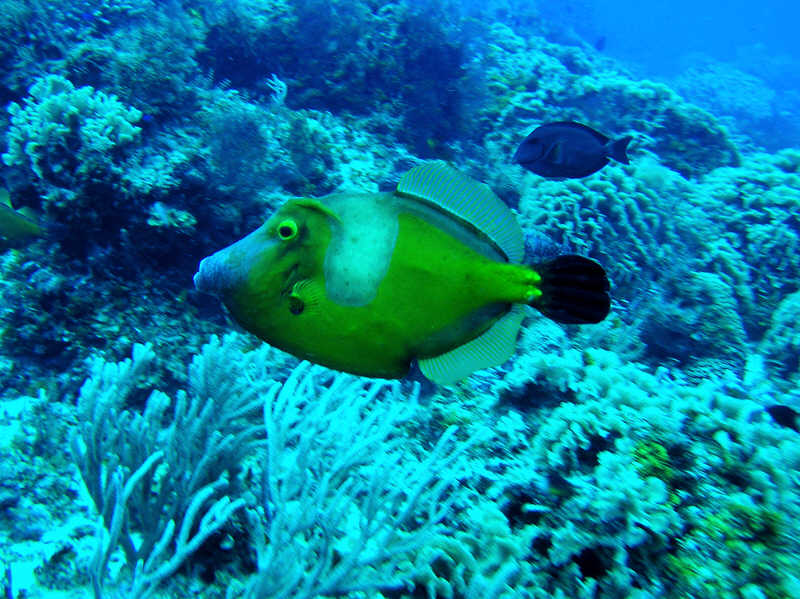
<point x="364" y="238"/>
<point x="361" y="247"/>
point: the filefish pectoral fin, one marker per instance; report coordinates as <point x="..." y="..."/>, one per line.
<point x="573" y="290"/>
<point x="305" y="297"/>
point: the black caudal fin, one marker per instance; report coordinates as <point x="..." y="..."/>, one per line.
<point x="618" y="149"/>
<point x="575" y="290"/>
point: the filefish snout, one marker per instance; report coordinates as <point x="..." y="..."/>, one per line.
<point x="212" y="274"/>
<point x="224" y="270"/>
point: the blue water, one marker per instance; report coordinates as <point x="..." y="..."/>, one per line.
<point x="658" y="36"/>
<point x="665" y="40"/>
<point x="152" y="444"/>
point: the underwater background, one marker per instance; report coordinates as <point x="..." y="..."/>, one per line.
<point x="149" y="447"/>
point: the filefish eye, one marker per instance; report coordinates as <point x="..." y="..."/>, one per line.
<point x="287" y="230"/>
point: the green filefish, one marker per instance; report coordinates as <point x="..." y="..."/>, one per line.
<point x="16" y="225"/>
<point x="367" y="283"/>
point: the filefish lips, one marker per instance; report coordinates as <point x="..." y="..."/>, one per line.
<point x="224" y="270"/>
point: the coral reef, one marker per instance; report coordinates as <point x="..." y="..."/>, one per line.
<point x="633" y="459"/>
<point x="347" y="56"/>
<point x="540" y="81"/>
<point x="638" y="474"/>
<point x="726" y="90"/>
<point x="170" y="483"/>
<point x="752" y="243"/>
<point x="62" y="136"/>
<point x="781" y="343"/>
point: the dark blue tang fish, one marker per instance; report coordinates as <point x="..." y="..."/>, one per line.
<point x="568" y="150"/>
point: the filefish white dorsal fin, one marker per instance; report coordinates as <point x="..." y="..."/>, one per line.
<point x="492" y="348"/>
<point x="440" y="184"/>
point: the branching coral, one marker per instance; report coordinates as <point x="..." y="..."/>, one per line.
<point x="756" y="246"/>
<point x="152" y="65"/>
<point x="636" y="474"/>
<point x="344" y="503"/>
<point x="62" y="137"/>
